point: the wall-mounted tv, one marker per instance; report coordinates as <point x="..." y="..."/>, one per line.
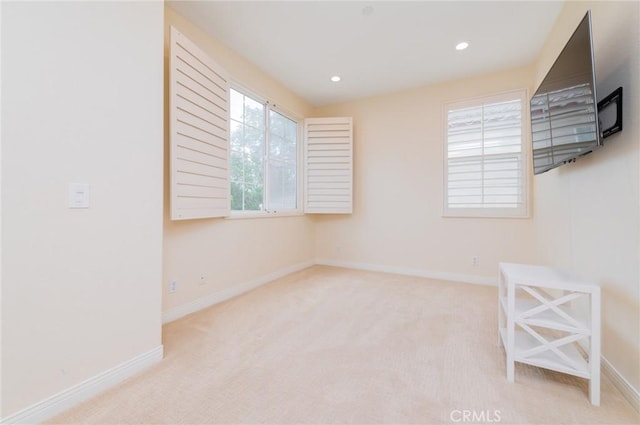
<point x="564" y="111"/>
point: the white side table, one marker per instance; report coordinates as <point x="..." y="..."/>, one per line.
<point x="538" y="326"/>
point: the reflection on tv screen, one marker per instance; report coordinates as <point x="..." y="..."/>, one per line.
<point x="564" y="118"/>
<point x="563" y="125"/>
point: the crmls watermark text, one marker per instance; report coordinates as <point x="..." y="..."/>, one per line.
<point x="475" y="416"/>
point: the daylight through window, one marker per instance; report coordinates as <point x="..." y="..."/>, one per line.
<point x="486" y="171"/>
<point x="264" y="156"/>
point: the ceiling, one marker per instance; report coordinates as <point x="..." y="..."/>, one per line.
<point x="376" y="47"/>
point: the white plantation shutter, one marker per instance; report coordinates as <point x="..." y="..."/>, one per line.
<point x="486" y="171"/>
<point x="199" y="133"/>
<point x="328" y="165"/>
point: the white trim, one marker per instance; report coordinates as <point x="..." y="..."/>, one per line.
<point x="180" y="311"/>
<point x="489" y="213"/>
<point x="111" y="377"/>
<point x="429" y="274"/>
<point x="628" y="391"/>
<point x="176" y="313"/>
<point x="241" y="215"/>
<point x="72" y="396"/>
<point x="619" y="381"/>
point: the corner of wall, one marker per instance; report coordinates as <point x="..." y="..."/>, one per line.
<point x="593" y="205"/>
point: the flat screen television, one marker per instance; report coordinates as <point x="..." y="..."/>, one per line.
<point x="564" y="108"/>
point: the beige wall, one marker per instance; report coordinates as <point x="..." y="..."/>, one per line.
<point x="588" y="213"/>
<point x="81" y="288"/>
<point x="398" y="188"/>
<point x="81" y="102"/>
<point x="230" y="252"/>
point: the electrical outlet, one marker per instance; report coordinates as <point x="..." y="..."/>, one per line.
<point x="173" y="286"/>
<point x="475" y="261"/>
<point x="203" y="279"/>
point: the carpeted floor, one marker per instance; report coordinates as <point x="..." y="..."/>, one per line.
<point x="330" y="346"/>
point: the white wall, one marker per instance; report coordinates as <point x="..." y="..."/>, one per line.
<point x="1" y="363"/>
<point x="588" y="213"/>
<point x="398" y="189"/>
<point x="230" y="252"/>
<point x="81" y="102"/>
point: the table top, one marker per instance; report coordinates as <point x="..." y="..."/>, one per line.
<point x="546" y="277"/>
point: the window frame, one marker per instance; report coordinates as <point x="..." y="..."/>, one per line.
<point x="269" y="105"/>
<point x="500" y="212"/>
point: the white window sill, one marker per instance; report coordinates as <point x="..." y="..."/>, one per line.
<point x="262" y="214"/>
<point x="485" y="214"/>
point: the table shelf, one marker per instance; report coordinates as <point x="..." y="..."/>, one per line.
<point x="538" y="325"/>
<point x="547" y="318"/>
<point x="547" y="359"/>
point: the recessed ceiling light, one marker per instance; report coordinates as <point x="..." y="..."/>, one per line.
<point x="335" y="78"/>
<point x="462" y="45"/>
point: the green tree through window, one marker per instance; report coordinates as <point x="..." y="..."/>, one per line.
<point x="263" y="154"/>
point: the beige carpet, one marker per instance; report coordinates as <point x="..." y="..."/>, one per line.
<point x="329" y="346"/>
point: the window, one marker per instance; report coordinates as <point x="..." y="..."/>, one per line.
<point x="486" y="169"/>
<point x="229" y="150"/>
<point x="264" y="156"/>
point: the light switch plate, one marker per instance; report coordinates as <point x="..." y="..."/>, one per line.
<point x="79" y="195"/>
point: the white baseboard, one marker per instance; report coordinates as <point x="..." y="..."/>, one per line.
<point x="83" y="391"/>
<point x="107" y="379"/>
<point x="430" y="274"/>
<point x="218" y="297"/>
<point x="176" y="313"/>
<point x="619" y="381"/>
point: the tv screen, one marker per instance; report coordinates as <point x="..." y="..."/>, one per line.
<point x="564" y="111"/>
